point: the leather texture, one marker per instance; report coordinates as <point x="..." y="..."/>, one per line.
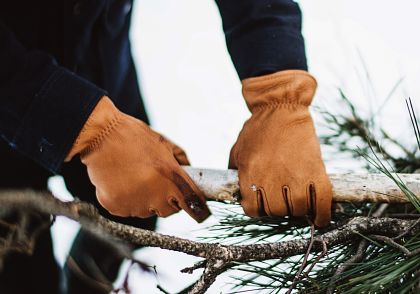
<point x="277" y="153"/>
<point x="135" y="170"/>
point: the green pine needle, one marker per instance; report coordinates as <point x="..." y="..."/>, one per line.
<point x="383" y="269"/>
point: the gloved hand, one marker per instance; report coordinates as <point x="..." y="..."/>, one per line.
<point x="277" y="154"/>
<point x="135" y="170"/>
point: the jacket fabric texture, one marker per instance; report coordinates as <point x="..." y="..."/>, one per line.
<point x="58" y="58"/>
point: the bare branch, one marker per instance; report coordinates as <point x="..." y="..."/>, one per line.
<point x="218" y="257"/>
<point x="198" y="265"/>
<point x="222" y="185"/>
<point x="389" y="241"/>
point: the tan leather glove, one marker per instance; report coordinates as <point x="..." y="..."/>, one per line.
<point x="135" y="170"/>
<point x="277" y="154"/>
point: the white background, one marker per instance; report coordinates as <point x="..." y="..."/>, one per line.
<point x="193" y="95"/>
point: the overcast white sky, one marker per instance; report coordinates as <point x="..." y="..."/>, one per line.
<point x="193" y="94"/>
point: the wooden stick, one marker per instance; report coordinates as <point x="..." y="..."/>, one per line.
<point x="223" y="185"/>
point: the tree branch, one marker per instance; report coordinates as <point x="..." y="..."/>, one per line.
<point x="218" y="257"/>
<point x="222" y="185"/>
<point x="358" y="256"/>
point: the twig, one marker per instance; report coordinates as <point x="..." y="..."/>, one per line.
<point x="318" y="258"/>
<point x="305" y="259"/>
<point x="359" y="252"/>
<point x="391" y="243"/>
<point x="394" y="244"/>
<point x="160" y="288"/>
<point x="348" y="263"/>
<point x="190" y="270"/>
<point x="213" y="269"/>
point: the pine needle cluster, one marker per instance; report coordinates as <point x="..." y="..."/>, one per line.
<point x="364" y="265"/>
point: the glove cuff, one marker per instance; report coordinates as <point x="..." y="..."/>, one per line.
<point x="103" y="119"/>
<point x="286" y="89"/>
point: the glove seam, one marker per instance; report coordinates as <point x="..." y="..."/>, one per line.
<point x="80" y="136"/>
<point x="281" y="105"/>
<point x="97" y="141"/>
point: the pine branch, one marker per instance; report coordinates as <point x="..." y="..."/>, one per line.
<point x="218" y="257"/>
<point x="358" y="256"/>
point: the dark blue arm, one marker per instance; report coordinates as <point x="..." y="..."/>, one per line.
<point x="263" y="36"/>
<point x="42" y="105"/>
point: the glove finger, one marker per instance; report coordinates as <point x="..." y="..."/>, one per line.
<point x="321" y="203"/>
<point x="179" y="153"/>
<point x="276" y="200"/>
<point x="298" y="200"/>
<point x="163" y="207"/>
<point x="123" y="209"/>
<point x="108" y="203"/>
<point x="251" y="196"/>
<point x="189" y="197"/>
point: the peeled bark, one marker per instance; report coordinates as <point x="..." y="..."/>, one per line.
<point x="223" y="185"/>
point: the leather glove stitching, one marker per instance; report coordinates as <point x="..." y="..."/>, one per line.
<point x="96" y="142"/>
<point x="280" y="105"/>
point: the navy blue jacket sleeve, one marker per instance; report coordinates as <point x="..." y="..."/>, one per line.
<point x="263" y="36"/>
<point x="42" y="105"/>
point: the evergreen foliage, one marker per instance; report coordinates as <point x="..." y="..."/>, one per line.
<point x="365" y="265"/>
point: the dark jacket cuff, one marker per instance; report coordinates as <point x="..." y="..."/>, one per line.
<point x="55" y="117"/>
<point x="266" y="51"/>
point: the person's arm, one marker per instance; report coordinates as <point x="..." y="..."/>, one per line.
<point x="42" y="106"/>
<point x="263" y="36"/>
<point x="277" y="153"/>
<point x="50" y="115"/>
